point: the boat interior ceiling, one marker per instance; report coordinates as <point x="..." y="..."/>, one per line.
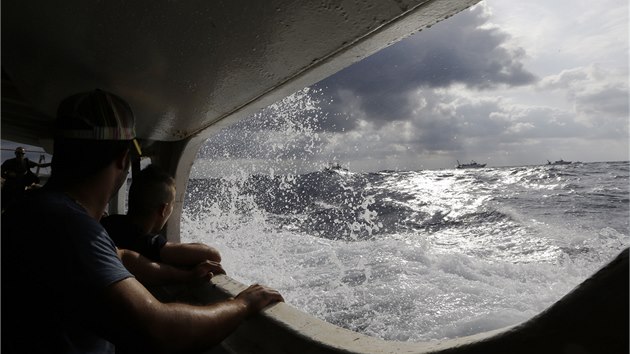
<point x="185" y="66"/>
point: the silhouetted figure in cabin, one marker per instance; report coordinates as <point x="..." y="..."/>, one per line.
<point x="18" y="176"/>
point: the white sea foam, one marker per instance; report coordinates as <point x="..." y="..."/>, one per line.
<point x="401" y="286"/>
<point x="416" y="255"/>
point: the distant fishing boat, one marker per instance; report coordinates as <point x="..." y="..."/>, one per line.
<point x="559" y="162"/>
<point x="472" y="164"/>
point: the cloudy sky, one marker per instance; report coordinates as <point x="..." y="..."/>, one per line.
<point x="504" y="83"/>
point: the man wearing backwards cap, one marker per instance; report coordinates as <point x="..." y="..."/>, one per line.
<point x="72" y="294"/>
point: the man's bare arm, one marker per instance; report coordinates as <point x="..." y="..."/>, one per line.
<point x="153" y="273"/>
<point x="32" y="164"/>
<point x="188" y="254"/>
<point x="135" y="319"/>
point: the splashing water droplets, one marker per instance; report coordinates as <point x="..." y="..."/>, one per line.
<point x="411" y="255"/>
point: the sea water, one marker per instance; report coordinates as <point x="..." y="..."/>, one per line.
<point x="416" y="255"/>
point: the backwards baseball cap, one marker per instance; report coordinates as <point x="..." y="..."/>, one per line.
<point x="96" y="115"/>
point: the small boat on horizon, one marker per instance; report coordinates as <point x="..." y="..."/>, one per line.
<point x="472" y="164"/>
<point x="559" y="162"/>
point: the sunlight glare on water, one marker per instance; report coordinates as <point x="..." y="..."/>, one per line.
<point x="415" y="255"/>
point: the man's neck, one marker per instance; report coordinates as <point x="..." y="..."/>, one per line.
<point x="94" y="203"/>
<point x="92" y="194"/>
<point x="145" y="224"/>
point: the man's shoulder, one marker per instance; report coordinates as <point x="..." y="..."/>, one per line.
<point x="44" y="200"/>
<point x="53" y="212"/>
<point x="9" y="162"/>
<point x="52" y="198"/>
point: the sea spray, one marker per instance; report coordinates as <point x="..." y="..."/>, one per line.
<point x="437" y="265"/>
<point x="283" y="138"/>
<point x="400" y="255"/>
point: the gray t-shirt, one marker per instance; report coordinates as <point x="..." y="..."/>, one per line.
<point x="56" y="262"/>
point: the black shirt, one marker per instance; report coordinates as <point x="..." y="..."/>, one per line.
<point x="127" y="235"/>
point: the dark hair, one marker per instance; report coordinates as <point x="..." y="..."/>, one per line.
<point x="75" y="160"/>
<point x="150" y="188"/>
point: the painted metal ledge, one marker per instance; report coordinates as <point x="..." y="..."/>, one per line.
<point x="593" y="318"/>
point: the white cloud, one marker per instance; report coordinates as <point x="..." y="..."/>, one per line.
<point x="598" y="96"/>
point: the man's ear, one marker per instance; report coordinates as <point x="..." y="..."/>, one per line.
<point x="162" y="209"/>
<point x="122" y="162"/>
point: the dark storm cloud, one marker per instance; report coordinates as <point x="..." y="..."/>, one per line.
<point x="457" y="50"/>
